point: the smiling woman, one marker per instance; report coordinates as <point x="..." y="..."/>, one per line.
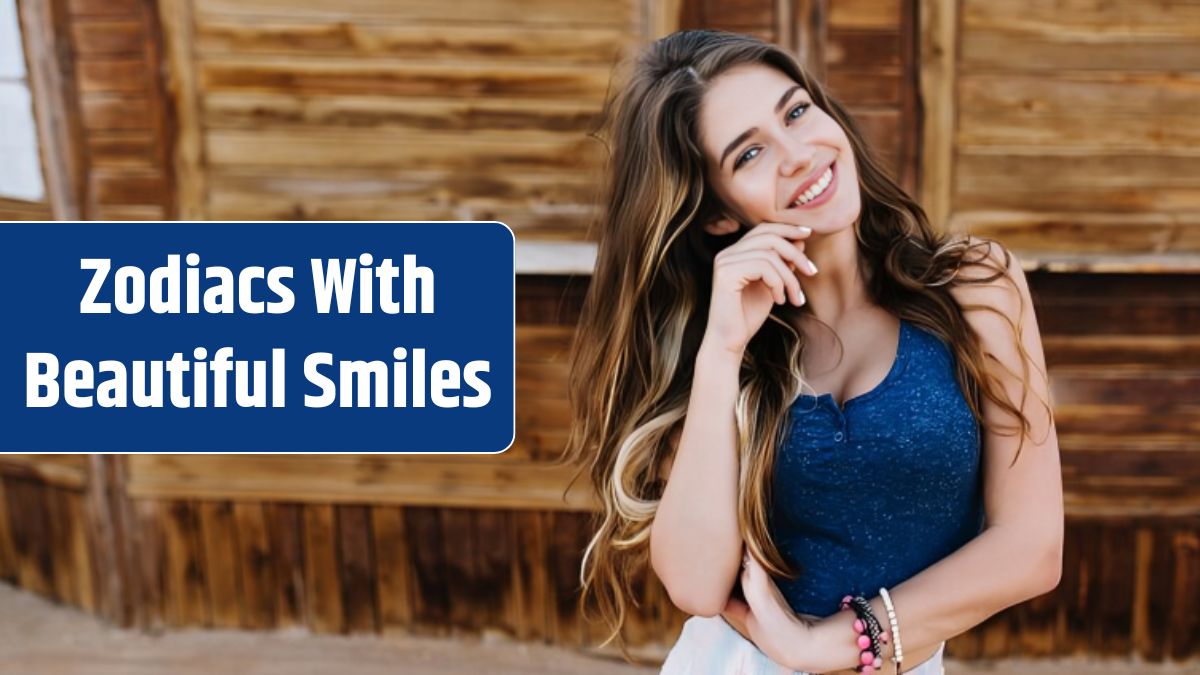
<point x="780" y="360"/>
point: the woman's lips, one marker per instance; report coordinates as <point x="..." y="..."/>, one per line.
<point x="825" y="195"/>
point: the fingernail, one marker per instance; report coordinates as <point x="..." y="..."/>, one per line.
<point x="805" y="230"/>
<point x="812" y="267"/>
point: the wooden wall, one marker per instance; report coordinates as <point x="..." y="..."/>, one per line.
<point x="1067" y="126"/>
<point x="395" y="110"/>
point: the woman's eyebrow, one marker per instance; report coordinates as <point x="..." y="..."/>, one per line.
<point x="787" y="95"/>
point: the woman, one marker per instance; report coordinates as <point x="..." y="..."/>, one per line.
<point x="785" y="378"/>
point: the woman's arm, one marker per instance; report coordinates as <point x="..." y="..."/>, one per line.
<point x="695" y="544"/>
<point x="1018" y="555"/>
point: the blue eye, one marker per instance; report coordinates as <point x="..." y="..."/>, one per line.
<point x="746" y="157"/>
<point x="795" y="113"/>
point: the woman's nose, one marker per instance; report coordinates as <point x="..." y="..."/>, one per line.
<point x="797" y="157"/>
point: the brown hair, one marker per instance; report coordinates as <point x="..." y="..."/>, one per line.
<point x="646" y="309"/>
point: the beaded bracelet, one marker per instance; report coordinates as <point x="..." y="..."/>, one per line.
<point x="898" y="649"/>
<point x="870" y="634"/>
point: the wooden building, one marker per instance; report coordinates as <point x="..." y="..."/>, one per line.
<point x="1065" y="129"/>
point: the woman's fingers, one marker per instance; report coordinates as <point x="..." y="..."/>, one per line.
<point x="750" y="262"/>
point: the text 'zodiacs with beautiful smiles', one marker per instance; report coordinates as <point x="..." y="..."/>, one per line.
<point x="218" y="379"/>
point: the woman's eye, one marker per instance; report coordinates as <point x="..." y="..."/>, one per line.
<point x="797" y="111"/>
<point x="750" y="153"/>
<point x="746" y="156"/>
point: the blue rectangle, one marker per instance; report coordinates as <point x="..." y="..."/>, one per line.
<point x="446" y="353"/>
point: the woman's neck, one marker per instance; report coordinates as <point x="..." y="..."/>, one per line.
<point x="838" y="290"/>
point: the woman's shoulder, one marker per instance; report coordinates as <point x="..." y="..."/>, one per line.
<point x="990" y="280"/>
<point x="993" y="293"/>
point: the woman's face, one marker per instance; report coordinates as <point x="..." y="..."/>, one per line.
<point x="774" y="156"/>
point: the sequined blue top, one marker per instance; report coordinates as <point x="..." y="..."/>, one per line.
<point x="872" y="493"/>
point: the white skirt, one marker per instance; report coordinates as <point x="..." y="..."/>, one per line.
<point x="710" y="646"/>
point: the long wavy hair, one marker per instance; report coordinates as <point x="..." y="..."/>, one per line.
<point x="646" y="309"/>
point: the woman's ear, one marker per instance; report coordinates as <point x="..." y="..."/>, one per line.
<point x="722" y="226"/>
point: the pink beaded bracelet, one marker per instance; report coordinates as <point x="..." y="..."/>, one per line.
<point x="869" y="632"/>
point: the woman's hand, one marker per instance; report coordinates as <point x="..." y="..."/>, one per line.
<point x="766" y="619"/>
<point x="752" y="275"/>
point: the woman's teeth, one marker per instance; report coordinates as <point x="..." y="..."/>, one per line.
<point x="816" y="189"/>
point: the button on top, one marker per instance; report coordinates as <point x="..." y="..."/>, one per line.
<point x="838" y="436"/>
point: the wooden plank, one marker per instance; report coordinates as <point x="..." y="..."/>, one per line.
<point x="123" y="149"/>
<point x="322" y="583"/>
<point x="357" y="568"/>
<point x="393" y="568"/>
<point x="104" y="37"/>
<point x="1147" y="19"/>
<point x="865" y="88"/>
<point x="431" y="602"/>
<point x="151" y="563"/>
<point x="1083" y="547"/>
<point x="286" y="531"/>
<point x="8" y="553"/>
<point x="79" y="556"/>
<point x="1101" y="133"/>
<point x="740" y="15"/>
<point x="1029" y="179"/>
<point x="939" y="32"/>
<point x="617" y="13"/>
<point x="489" y="481"/>
<point x="85" y="8"/>
<point x="863" y="50"/>
<point x="56" y="109"/>
<point x="459" y="563"/>
<point x="1125" y="387"/>
<point x="255" y="569"/>
<point x="21" y="210"/>
<point x="1160" y="591"/>
<point x="284" y="148"/>
<point x="285" y="110"/>
<point x="30" y="526"/>
<point x="66" y="471"/>
<point x="1073" y="418"/>
<point x="1111" y="622"/>
<point x="175" y="19"/>
<point x="494" y="558"/>
<point x="532" y="592"/>
<point x="125" y="76"/>
<point x="553" y="223"/>
<point x="860" y="14"/>
<point x="219" y="539"/>
<point x="569" y="535"/>
<point x="1108" y="238"/>
<point x="62" y="571"/>
<point x="1119" y="94"/>
<point x="1185" y="620"/>
<point x="511" y="43"/>
<point x="185" y="595"/>
<point x="1027" y="51"/>
<point x="335" y="189"/>
<point x="376" y="77"/>
<point x="128" y="187"/>
<point x="114" y="112"/>
<point x="134" y="212"/>
<point x="1143" y="556"/>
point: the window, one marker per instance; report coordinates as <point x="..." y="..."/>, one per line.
<point x="20" y="168"/>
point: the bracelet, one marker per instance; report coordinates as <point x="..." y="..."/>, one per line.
<point x="870" y="634"/>
<point x="898" y="649"/>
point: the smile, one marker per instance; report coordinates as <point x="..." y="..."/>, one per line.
<point x="815" y="190"/>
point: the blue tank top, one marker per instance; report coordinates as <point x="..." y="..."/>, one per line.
<point x="870" y="494"/>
